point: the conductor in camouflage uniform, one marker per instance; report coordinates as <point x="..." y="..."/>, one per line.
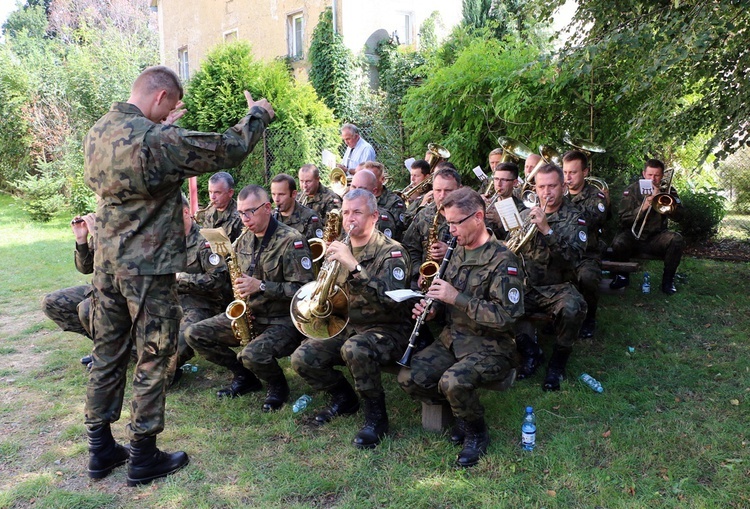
<point x="378" y="326"/>
<point x="275" y="262"/>
<point x="444" y="182"/>
<point x="291" y="212"/>
<point x="202" y="288"/>
<point x="136" y="165"/>
<point x="593" y="206"/>
<point x="388" y="200"/>
<point x="481" y="296"/>
<point x="222" y="211"/>
<point x="314" y="194"/>
<point x="550" y="258"/>
<point x="656" y="239"/>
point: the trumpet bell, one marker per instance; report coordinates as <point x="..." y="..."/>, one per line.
<point x="598" y="183"/>
<point x="319" y="320"/>
<point x="513" y="150"/>
<point x="530" y="199"/>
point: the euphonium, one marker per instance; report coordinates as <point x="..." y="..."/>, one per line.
<point x="429" y="269"/>
<point x="237" y="310"/>
<point x="320" y="309"/>
<point x="331" y="232"/>
<point x="518" y="237"/>
<point x="437" y="154"/>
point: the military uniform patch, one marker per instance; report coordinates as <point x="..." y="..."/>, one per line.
<point x="626" y="193"/>
<point x="388" y="233"/>
<point x="298" y="244"/>
<point x="601" y="207"/>
<point x="396" y="254"/>
<point x="582" y="236"/>
<point x="512" y="271"/>
<point x="314" y="219"/>
<point x="398" y="273"/>
<point x="401" y="218"/>
<point x="581" y="221"/>
<point x="601" y="195"/>
<point x="514" y="295"/>
<point x="214" y="259"/>
<point x="306" y="263"/>
<point x="319" y="233"/>
<point x="383" y="217"/>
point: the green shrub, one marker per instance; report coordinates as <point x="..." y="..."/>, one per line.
<point x="704" y="210"/>
<point x="41" y="195"/>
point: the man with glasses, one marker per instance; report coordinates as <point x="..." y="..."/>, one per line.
<point x="480" y="296"/>
<point x="504" y="180"/>
<point x="275" y="262"/>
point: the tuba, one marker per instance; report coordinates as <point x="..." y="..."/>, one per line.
<point x="320" y="309"/>
<point x="588" y="148"/>
<point x="331" y="232"/>
<point x="662" y="202"/>
<point x="429" y="269"/>
<point x="437" y="155"/>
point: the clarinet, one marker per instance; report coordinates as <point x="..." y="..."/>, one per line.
<point x="405" y="360"/>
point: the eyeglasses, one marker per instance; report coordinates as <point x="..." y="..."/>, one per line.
<point x="451" y="225"/>
<point x="247" y="214"/>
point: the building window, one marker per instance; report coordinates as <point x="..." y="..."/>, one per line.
<point x="407" y="36"/>
<point x="295" y="32"/>
<point x="230" y="36"/>
<point x="183" y="65"/>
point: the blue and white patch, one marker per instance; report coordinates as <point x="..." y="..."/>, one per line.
<point x="401" y="218"/>
<point x="319" y="233"/>
<point x="514" y="295"/>
<point x="388" y="233"/>
<point x="601" y="207"/>
<point x="214" y="259"/>
<point x="306" y="263"/>
<point x="582" y="236"/>
<point x="398" y="273"/>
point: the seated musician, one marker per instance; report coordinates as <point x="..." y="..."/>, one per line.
<point x="550" y="258"/>
<point x="421" y="240"/>
<point x="314" y="194"/>
<point x="291" y="212"/>
<point x="366" y="179"/>
<point x="387" y="199"/>
<point x="222" y="210"/>
<point x="504" y="180"/>
<point x="481" y="296"/>
<point x="275" y="262"/>
<point x="655" y="239"/>
<point x="378" y="328"/>
<point x="420" y="170"/>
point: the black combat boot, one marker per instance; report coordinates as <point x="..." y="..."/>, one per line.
<point x="277" y="394"/>
<point x="148" y="463"/>
<point x="376" y="424"/>
<point x="104" y="453"/>
<point x="620" y="281"/>
<point x="475" y="444"/>
<point x="531" y="356"/>
<point x="556" y="368"/>
<point x="344" y="401"/>
<point x="667" y="282"/>
<point x="458" y="432"/>
<point x="244" y="381"/>
<point x="588" y="328"/>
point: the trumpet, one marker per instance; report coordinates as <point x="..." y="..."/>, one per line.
<point x="662" y="202"/>
<point x="437" y="154"/>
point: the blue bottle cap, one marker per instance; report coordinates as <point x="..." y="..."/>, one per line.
<point x="529" y="409"/>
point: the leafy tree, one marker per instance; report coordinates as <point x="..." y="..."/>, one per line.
<point x="331" y="65"/>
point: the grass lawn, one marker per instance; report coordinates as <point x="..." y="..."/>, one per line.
<point x="670" y="430"/>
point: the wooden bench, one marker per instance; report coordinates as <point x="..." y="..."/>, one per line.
<point x="439" y="417"/>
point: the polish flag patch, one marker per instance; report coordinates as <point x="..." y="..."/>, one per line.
<point x="298" y="244"/>
<point x="383" y="217"/>
<point x="512" y="271"/>
<point x="600" y="195"/>
<point x="208" y="244"/>
<point x="396" y="254"/>
<point x="625" y="193"/>
<point x="581" y="220"/>
<point x="315" y="219"/>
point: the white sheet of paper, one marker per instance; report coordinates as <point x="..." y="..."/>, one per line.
<point x="480" y="174"/>
<point x="409" y="162"/>
<point x="508" y="213"/>
<point x="647" y="186"/>
<point x="218" y="240"/>
<point x="329" y="158"/>
<point x="402" y="295"/>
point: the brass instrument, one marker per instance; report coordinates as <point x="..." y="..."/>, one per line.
<point x="339" y="181"/>
<point x="429" y="269"/>
<point x="528" y="190"/>
<point x="518" y="237"/>
<point x="320" y="309"/>
<point x="237" y="310"/>
<point x="588" y="148"/>
<point x="662" y="202"/>
<point x="513" y="152"/>
<point x="437" y="154"/>
<point x="331" y="232"/>
<point x="598" y="183"/>
<point x="302" y="199"/>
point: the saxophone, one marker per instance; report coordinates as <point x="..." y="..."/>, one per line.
<point x="331" y="232"/>
<point x="429" y="269"/>
<point x="237" y="310"/>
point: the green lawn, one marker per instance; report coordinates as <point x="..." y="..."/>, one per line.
<point x="670" y="429"/>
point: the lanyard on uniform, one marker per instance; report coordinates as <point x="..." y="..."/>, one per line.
<point x="272" y="224"/>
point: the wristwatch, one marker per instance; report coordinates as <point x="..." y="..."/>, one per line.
<point x="262" y="287"/>
<point x="357" y="270"/>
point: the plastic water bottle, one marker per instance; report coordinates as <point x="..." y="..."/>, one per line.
<point x="301" y="403"/>
<point x="646" y="286"/>
<point x="592" y="382"/>
<point x="189" y="368"/>
<point x="528" y="430"/>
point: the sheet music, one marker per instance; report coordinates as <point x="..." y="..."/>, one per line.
<point x="402" y="295"/>
<point x="409" y="162"/>
<point x="647" y="186"/>
<point x="329" y="159"/>
<point x="480" y="174"/>
<point x="218" y="240"/>
<point x="508" y="213"/>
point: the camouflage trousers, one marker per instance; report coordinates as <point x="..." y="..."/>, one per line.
<point x="69" y="308"/>
<point x="666" y="245"/>
<point x="563" y="302"/>
<point x="436" y="375"/>
<point x="588" y="277"/>
<point x="127" y="309"/>
<point x="184" y="352"/>
<point x="214" y="340"/>
<point x="363" y="351"/>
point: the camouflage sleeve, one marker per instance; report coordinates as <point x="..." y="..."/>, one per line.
<point x="567" y="244"/>
<point x="504" y="302"/>
<point x="392" y="274"/>
<point x="412" y="243"/>
<point x="314" y="228"/>
<point x="333" y="202"/>
<point x="629" y="205"/>
<point x="594" y="211"/>
<point x="211" y="281"/>
<point x="297" y="270"/>
<point x="233" y="227"/>
<point x="84" y="258"/>
<point x="398" y="216"/>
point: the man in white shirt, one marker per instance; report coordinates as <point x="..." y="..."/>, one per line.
<point x="357" y="149"/>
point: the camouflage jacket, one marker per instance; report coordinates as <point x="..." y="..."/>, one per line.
<point x="490" y="299"/>
<point x="305" y="221"/>
<point x="411" y="211"/>
<point x="385" y="266"/>
<point x="205" y="282"/>
<point x="593" y="206"/>
<point x="284" y="266"/>
<point x="551" y="259"/>
<point x="656" y="223"/>
<point x="228" y="219"/>
<point x="136" y="168"/>
<point x="387" y="223"/>
<point x="84" y="256"/>
<point x="323" y="201"/>
<point x="415" y="238"/>
<point x="492" y="219"/>
<point x="395" y="206"/>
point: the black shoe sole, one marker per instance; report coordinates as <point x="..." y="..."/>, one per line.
<point x="237" y="394"/>
<point x="146" y="480"/>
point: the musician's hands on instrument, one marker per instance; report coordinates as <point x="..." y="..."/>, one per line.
<point x="647" y="202"/>
<point x="247" y="285"/>
<point x="82" y="226"/>
<point x="437" y="251"/>
<point x="442" y="291"/>
<point x="426" y="199"/>
<point x="340" y="252"/>
<point x="539" y="218"/>
<point x="261" y="103"/>
<point x="419" y="308"/>
<point x="176" y="114"/>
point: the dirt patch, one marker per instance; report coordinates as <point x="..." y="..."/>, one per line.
<point x="728" y="250"/>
